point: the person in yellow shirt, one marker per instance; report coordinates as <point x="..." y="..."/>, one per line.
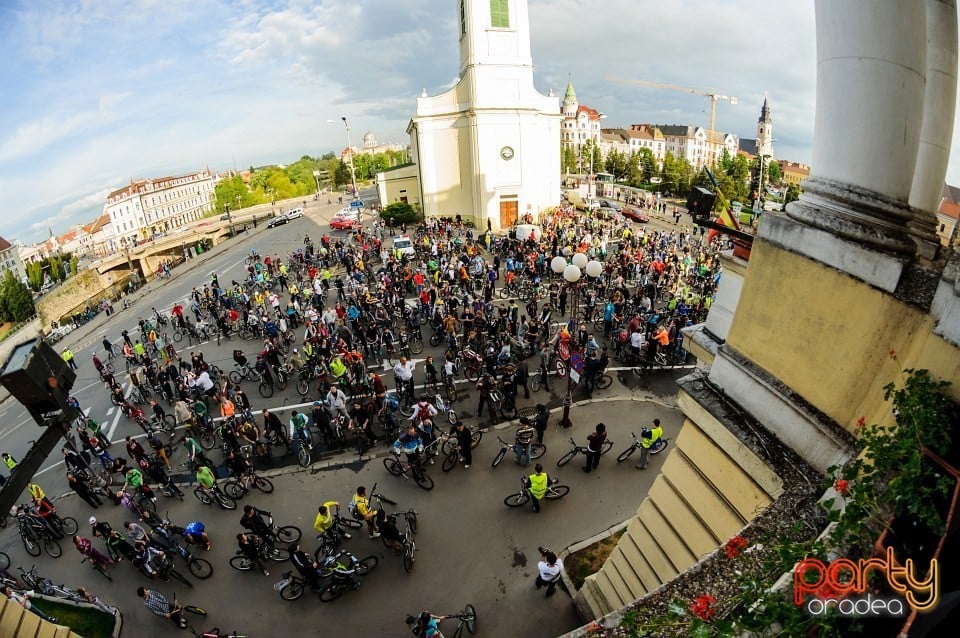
<point x="326" y="520"/>
<point x="68" y="357"/>
<point x="38" y="495"/>
<point x="362" y="505"/>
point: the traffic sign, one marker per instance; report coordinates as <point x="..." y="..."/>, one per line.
<point x="577" y="362"/>
<point x="356" y="204"/>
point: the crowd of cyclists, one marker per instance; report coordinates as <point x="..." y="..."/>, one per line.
<point x="337" y="317"/>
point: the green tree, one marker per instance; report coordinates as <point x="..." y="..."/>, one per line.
<point x="35" y="275"/>
<point x="617" y="164"/>
<point x="773" y="171"/>
<point x="647" y="164"/>
<point x="341" y="174"/>
<point x="399" y="212"/>
<point x="56" y="269"/>
<point x="74" y="263"/>
<point x="793" y="194"/>
<point x="328" y="156"/>
<point x="568" y="160"/>
<point x="16" y="302"/>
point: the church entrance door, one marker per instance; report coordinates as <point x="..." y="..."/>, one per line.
<point x="508" y="213"/>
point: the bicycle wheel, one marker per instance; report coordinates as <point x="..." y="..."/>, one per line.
<point x="535" y="383"/>
<point x="69" y="525"/>
<point x="52" y="548"/>
<point x="292" y="591"/>
<point x="177" y="336"/>
<point x="32" y="545"/>
<point x="147" y="503"/>
<point x="263" y="484"/>
<point x="606" y="447"/>
<point x="472" y="373"/>
<point x="367" y="565"/>
<point x="303" y="387"/>
<point x="193" y="609"/>
<point x="200" y="568"/>
<point x="537" y="450"/>
<point x="235" y="376"/>
<point x="451" y="392"/>
<point x="423" y="480"/>
<point x="411" y="517"/>
<point x="451" y="460"/>
<point x="303" y="456"/>
<point x="289" y="534"/>
<point x="516" y="499"/>
<point x="475" y="439"/>
<point x="225" y="501"/>
<point x="408" y="557"/>
<point x="207" y="440"/>
<point x="331" y="592"/>
<point x="566" y="458"/>
<point x="4" y="561"/>
<point x="556" y="492"/>
<point x="202" y="496"/>
<point x="626" y="453"/>
<point x="281" y="381"/>
<point x="499" y="457"/>
<point x="178" y="576"/>
<point x="241" y="563"/>
<point x="102" y="572"/>
<point x="416" y="346"/>
<point x="278" y="554"/>
<point x="470" y="613"/>
<point x="351" y="523"/>
<point x="604" y="381"/>
<point x="234" y="489"/>
<point x="393" y="466"/>
<point x="265" y="390"/>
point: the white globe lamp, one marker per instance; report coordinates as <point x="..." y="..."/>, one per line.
<point x="558" y="264"/>
<point x="571" y="273"/>
<point x="594" y="268"/>
<point x="579" y="260"/>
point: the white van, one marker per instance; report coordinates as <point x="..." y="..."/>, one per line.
<point x="525" y="231"/>
<point x="404" y="244"/>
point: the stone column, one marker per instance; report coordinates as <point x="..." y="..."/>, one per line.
<point x="871" y="68"/>
<point x="939" y="107"/>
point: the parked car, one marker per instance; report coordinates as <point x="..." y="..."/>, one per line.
<point x="278" y="221"/>
<point x="635" y="214"/>
<point x="344" y="222"/>
<point x="404" y="245"/>
<point x="609" y="203"/>
<point x="294" y="213"/>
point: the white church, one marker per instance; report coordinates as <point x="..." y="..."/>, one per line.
<point x="489" y="148"/>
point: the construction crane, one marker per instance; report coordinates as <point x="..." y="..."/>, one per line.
<point x="713" y="95"/>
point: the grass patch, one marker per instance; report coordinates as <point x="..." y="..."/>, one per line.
<point x="590" y="559"/>
<point x="89" y="623"/>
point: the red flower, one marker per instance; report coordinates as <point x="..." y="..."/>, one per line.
<point x="734" y="546"/>
<point x="702" y="607"/>
<point x="842" y="486"/>
<point x="861" y="422"/>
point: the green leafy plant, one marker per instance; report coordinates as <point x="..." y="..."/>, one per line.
<point x="892" y="477"/>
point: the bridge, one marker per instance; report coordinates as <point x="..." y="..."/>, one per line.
<point x="148" y="257"/>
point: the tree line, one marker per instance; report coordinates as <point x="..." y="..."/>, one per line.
<point x="271" y="183"/>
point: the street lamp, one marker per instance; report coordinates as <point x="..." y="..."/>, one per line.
<point x="353" y="173"/>
<point x="571" y="274"/>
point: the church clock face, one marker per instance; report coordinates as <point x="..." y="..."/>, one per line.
<point x="506" y="153"/>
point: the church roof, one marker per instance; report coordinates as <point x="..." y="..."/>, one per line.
<point x="4" y="244"/>
<point x="764" y="112"/>
<point x="570" y="95"/>
<point x="748" y="146"/>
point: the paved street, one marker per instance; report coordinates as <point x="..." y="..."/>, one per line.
<point x="473" y="548"/>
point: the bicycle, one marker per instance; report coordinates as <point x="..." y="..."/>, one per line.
<point x="35" y="535"/>
<point x="582" y="449"/>
<point x="207" y="496"/>
<point x="237" y="488"/>
<point x="342" y="575"/>
<point x="467" y="617"/>
<point x="656" y="448"/>
<point x="536" y="451"/>
<point x="242" y="562"/>
<point x="398" y="468"/>
<point x="409" y="544"/>
<point x="539" y="380"/>
<point x="303" y="450"/>
<point x="176" y="608"/>
<point x="554" y="492"/>
<point x="334" y="536"/>
<point x="215" y="633"/>
<point x="451" y="449"/>
<point x="97" y="567"/>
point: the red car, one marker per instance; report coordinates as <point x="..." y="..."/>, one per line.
<point x="635" y="214"/>
<point x="343" y="223"/>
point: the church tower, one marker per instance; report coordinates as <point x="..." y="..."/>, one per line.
<point x="765" y="131"/>
<point x="488" y="149"/>
<point x="570" y="103"/>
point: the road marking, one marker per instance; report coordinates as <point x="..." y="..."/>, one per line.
<point x="110" y="411"/>
<point x="113" y="426"/>
<point x="15" y="428"/>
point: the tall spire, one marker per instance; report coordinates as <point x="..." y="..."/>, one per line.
<point x="765" y="112"/>
<point x="570" y="95"/>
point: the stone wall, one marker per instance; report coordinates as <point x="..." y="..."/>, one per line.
<point x="75" y="293"/>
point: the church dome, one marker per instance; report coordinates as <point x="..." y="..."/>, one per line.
<point x="369" y="139"/>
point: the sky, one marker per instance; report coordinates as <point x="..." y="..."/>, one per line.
<point x="99" y="92"/>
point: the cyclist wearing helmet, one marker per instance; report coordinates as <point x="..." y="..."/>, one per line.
<point x="195" y="534"/>
<point x="295" y="360"/>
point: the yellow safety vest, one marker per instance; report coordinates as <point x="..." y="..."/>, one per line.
<point x="538" y="484"/>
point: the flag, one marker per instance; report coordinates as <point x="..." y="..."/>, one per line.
<point x="727" y="219"/>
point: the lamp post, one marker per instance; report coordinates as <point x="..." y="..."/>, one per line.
<point x="571" y="274"/>
<point x="353" y="173"/>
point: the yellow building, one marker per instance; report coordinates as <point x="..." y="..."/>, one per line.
<point x="793" y="172"/>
